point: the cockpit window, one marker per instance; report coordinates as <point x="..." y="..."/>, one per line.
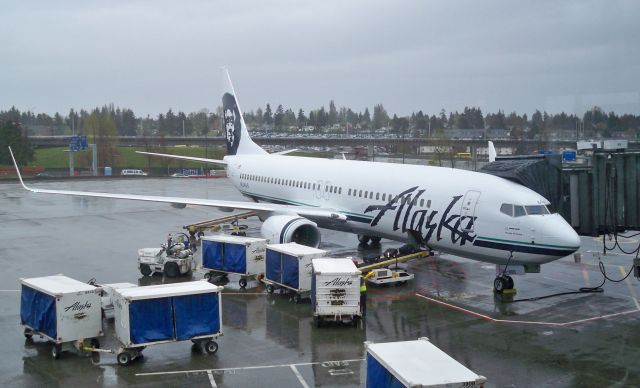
<point x="537" y="209"/>
<point x="507" y="209"/>
<point x="519" y="211"/>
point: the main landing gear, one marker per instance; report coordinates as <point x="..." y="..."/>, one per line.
<point x="502" y="283"/>
<point x="364" y="239"/>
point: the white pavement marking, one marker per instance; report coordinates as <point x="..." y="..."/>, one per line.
<point x="299" y="376"/>
<point x="543" y="323"/>
<point x="244" y="368"/>
<point x="211" y="380"/>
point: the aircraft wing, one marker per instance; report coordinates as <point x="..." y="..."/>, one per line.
<point x="191" y="158"/>
<point x="241" y="205"/>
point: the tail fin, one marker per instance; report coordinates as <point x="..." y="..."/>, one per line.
<point x="492" y="152"/>
<point x="238" y="140"/>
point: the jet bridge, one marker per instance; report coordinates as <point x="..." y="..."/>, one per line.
<point x="598" y="193"/>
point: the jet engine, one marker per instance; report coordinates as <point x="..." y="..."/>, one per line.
<point x="280" y="229"/>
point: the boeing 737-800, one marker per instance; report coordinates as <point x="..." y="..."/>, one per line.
<point x="465" y="213"/>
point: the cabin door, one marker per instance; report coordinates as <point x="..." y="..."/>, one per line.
<point x="469" y="203"/>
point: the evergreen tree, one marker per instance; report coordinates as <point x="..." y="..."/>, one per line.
<point x="302" y="119"/>
<point x="12" y="134"/>
<point x="268" y="118"/>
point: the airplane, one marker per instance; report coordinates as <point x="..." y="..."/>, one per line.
<point x="464" y="213"/>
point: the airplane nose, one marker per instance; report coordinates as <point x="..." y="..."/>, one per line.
<point x="558" y="232"/>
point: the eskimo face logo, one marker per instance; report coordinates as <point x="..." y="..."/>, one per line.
<point x="232" y="124"/>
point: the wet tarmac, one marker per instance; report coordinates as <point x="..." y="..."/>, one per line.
<point x="572" y="340"/>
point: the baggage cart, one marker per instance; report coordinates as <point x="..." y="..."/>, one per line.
<point x="233" y="255"/>
<point x="335" y="291"/>
<point x="288" y="267"/>
<point x="64" y="311"/>
<point x="153" y="315"/>
<point x="416" y="363"/>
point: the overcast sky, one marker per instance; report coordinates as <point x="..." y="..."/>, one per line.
<point x="408" y="55"/>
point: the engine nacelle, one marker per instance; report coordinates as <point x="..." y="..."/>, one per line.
<point x="280" y="229"/>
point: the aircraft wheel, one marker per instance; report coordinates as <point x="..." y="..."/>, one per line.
<point x="499" y="284"/>
<point x="510" y="282"/>
<point x="145" y="269"/>
<point x="363" y="239"/>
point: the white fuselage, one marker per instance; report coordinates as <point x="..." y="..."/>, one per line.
<point x="451" y="210"/>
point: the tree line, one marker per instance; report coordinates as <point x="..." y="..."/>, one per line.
<point x="594" y="122"/>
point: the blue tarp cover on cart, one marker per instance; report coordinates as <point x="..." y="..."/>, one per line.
<point x="38" y="311"/>
<point x="379" y="376"/>
<point x="174" y="318"/>
<point x="290" y="271"/>
<point x="212" y="253"/>
<point x="274" y="266"/>
<point x="235" y="258"/>
<point x="151" y="320"/>
<point x="196" y="315"/>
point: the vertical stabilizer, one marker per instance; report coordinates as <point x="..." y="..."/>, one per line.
<point x="492" y="152"/>
<point x="238" y="140"/>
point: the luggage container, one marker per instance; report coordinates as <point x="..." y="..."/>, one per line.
<point x="153" y="315"/>
<point x="335" y="291"/>
<point x="288" y="266"/>
<point x="64" y="311"/>
<point x="416" y="363"/>
<point x="233" y="255"/>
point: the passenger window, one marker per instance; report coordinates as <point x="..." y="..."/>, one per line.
<point x="429" y="203"/>
<point x="384" y="196"/>
<point x="340" y="190"/>
<point x="377" y="196"/>
<point x="519" y="211"/>
<point x="349" y="192"/>
<point x="415" y="201"/>
<point x="360" y="194"/>
<point x="421" y="202"/>
<point x="507" y="209"/>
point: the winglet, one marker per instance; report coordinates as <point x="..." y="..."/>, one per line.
<point x="492" y="152"/>
<point x="18" y="170"/>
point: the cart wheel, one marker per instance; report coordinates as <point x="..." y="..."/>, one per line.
<point x="124" y="358"/>
<point x="171" y="270"/>
<point x="207" y="276"/>
<point x="200" y="234"/>
<point x="95" y="343"/>
<point x="270" y="289"/>
<point x="28" y="333"/>
<point x="145" y="269"/>
<point x="296" y="298"/>
<point x="242" y="282"/>
<point x="56" y="350"/>
<point x="211" y="347"/>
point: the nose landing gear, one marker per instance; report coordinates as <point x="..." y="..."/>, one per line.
<point x="502" y="283"/>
